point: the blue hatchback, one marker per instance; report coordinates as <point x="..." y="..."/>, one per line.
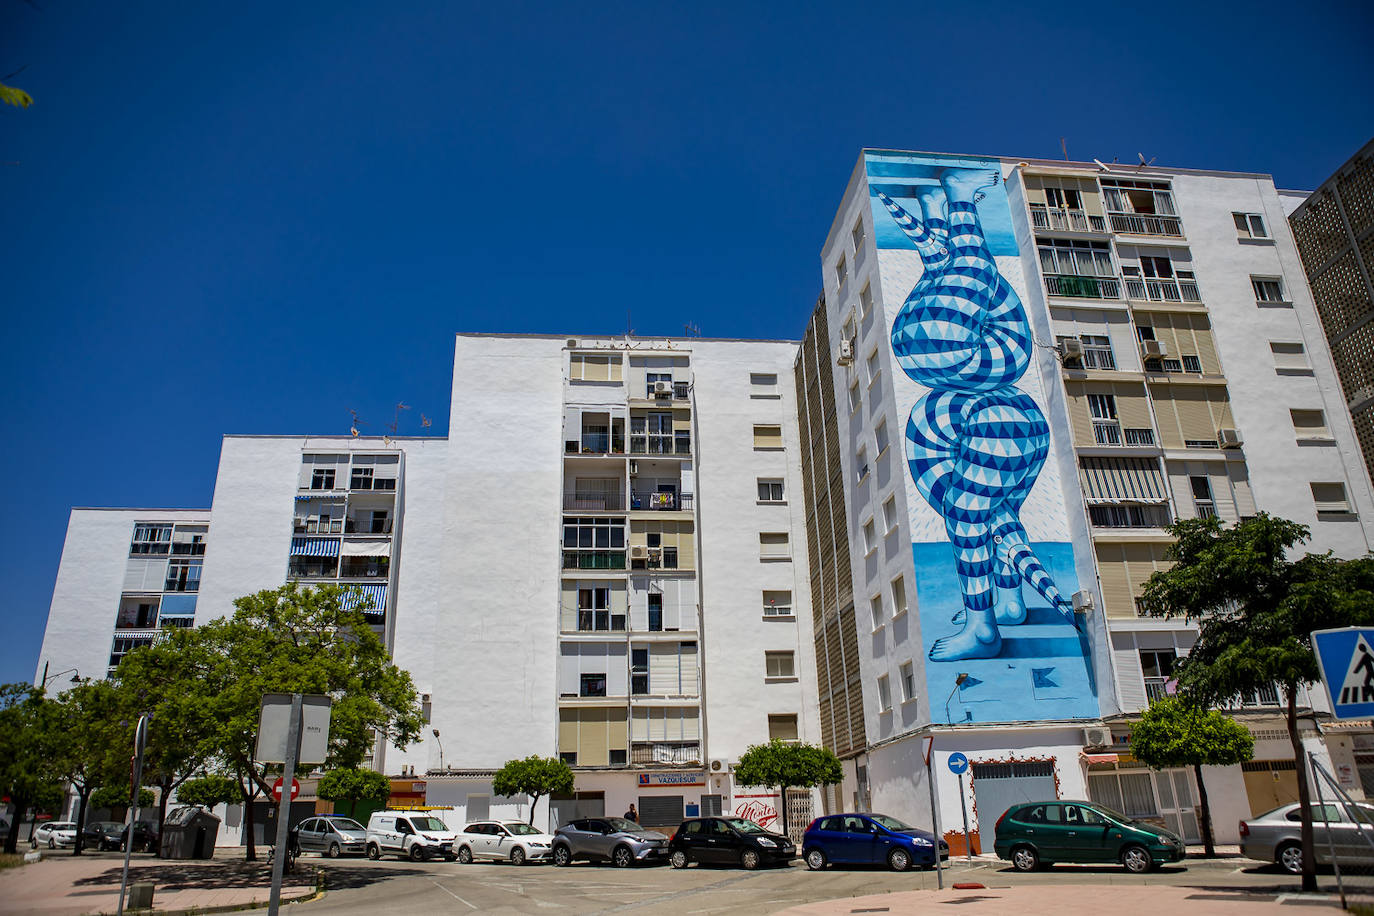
<point x="868" y="839"/>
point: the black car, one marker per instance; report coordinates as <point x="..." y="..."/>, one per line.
<point x="111" y="834"/>
<point x="728" y="841"/>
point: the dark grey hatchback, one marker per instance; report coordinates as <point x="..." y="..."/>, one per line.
<point x="728" y="841"/>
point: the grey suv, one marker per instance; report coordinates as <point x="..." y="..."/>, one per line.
<point x="613" y="839"/>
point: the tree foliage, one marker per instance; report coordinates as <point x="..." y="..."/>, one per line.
<point x="27" y="776"/>
<point x="211" y="790"/>
<point x="1255" y="605"/>
<point x="352" y="785"/>
<point x="82" y="740"/>
<point x="117" y="796"/>
<point x="787" y="765"/>
<point x="11" y="95"/>
<point x="534" y="776"/>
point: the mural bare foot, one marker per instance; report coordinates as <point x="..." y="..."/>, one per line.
<point x="978" y="639"/>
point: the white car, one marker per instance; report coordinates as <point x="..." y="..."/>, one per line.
<point x="409" y="834"/>
<point x="503" y="841"/>
<point x="54" y="834"/>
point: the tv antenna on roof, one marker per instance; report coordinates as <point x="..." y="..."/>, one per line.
<point x="1064" y="148"/>
<point x="1143" y="163"/>
<point x="692" y="330"/>
<point x="353" y="427"/>
<point x="396" y="420"/>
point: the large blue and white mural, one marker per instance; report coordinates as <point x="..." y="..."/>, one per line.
<point x="992" y="554"/>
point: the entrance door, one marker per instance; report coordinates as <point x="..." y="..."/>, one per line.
<point x="1269" y="784"/>
<point x="998" y="786"/>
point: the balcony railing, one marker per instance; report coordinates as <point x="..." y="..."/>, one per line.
<point x="1157" y="688"/>
<point x="1064" y="220"/>
<point x="594" y="502"/>
<point x="315" y="526"/>
<point x="669" y="753"/>
<point x="188" y="549"/>
<point x="596" y="444"/>
<point x="358" y="526"/>
<point x="1146" y="224"/>
<point x="1106" y="432"/>
<point x="1141" y="436"/>
<point x="662" y="502"/>
<point x="659" y="445"/>
<point x="1129" y="516"/>
<point x="593" y="559"/>
<point x="170" y="622"/>
<point x="1078" y="287"/>
<point x="1162" y="290"/>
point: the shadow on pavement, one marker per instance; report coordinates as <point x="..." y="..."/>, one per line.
<point x="173" y="876"/>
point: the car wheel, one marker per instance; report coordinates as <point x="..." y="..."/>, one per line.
<point x="678" y="859"/>
<point x="815" y="859"/>
<point x="1025" y="858"/>
<point x="373" y="851"/>
<point x="1289" y="858"/>
<point x="562" y="856"/>
<point x="464" y="856"/>
<point x="418" y="853"/>
<point x="749" y="859"/>
<point x="621" y="857"/>
<point x="899" y="860"/>
<point x="517" y="856"/>
<point x="1136" y="859"/>
<point x="334" y="851"/>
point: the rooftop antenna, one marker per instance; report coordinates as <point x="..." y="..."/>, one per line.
<point x="1064" y="148"/>
<point x="1143" y="163"/>
<point x="692" y="330"/>
<point x="353" y="427"/>
<point x="396" y="421"/>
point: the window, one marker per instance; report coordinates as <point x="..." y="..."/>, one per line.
<point x="874" y="367"/>
<point x="899" y="596"/>
<point x="779" y="664"/>
<point x="568" y="757"/>
<point x="639" y="671"/>
<point x="594" y="611"/>
<point x="322" y="479"/>
<point x="1157" y="268"/>
<point x="876" y="606"/>
<point x="870" y="537"/>
<point x="1330" y="497"/>
<point x="592" y="685"/>
<point x="651" y="380"/>
<point x="1268" y="291"/>
<point x="884" y="694"/>
<point x="151" y="539"/>
<point x="1290" y="357"/>
<point x="1128" y="516"/>
<point x="890" y="513"/>
<point x="1202" y="496"/>
<point x="1063" y="198"/>
<point x="770" y="490"/>
<point x="183" y="576"/>
<point x="1102" y="406"/>
<point x="763" y="385"/>
<point x="841" y="272"/>
<point x="593" y="543"/>
<point x="857" y="234"/>
<point x="880" y="434"/>
<point x="1309" y="424"/>
<point x="1106" y="429"/>
<point x="767" y="437"/>
<point x="1158" y="667"/>
<point x="861" y="463"/>
<point x="782" y="727"/>
<point x="1250" y="225"/>
<point x="361" y="479"/>
<point x="1141" y="207"/>
<point x="1192" y="364"/>
<point x="866" y="300"/>
<point x="1097" y="352"/>
<point x="587" y="367"/>
<point x="773" y="545"/>
<point x="777" y="604"/>
<point x="908" y="677"/>
<point x="856" y="398"/>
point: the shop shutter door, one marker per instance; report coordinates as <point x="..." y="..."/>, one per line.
<point x="660" y="810"/>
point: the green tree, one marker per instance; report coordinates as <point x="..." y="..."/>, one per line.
<point x="534" y="776"/>
<point x="82" y="738"/>
<point x="16" y="97"/>
<point x="1174" y="733"/>
<point x="787" y="765"/>
<point x="117" y="796"/>
<point x="210" y="790"/>
<point x="1255" y="605"/>
<point x="300" y="640"/>
<point x="352" y="785"/>
<point x="27" y="776"/>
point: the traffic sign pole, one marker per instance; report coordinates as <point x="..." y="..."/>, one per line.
<point x="963" y="810"/>
<point x="934" y="816"/>
<point x="293" y="748"/>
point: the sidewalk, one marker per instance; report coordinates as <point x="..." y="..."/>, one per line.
<point x="67" y="885"/>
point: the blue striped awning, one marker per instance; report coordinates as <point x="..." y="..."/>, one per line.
<point x="1117" y="480"/>
<point x="324" y="494"/>
<point x="314" y="547"/>
<point x="356" y="595"/>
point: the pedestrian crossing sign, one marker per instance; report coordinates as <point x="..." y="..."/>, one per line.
<point x="1346" y="660"/>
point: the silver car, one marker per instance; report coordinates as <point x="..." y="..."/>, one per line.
<point x="331" y="835"/>
<point x="607" y="839"/>
<point x="55" y="834"/>
<point x="1276" y="836"/>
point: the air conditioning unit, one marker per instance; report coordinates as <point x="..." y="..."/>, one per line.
<point x="846" y="356"/>
<point x="572" y="343"/>
<point x="424" y="698"/>
<point x="1082" y="602"/>
<point x="634" y="467"/>
<point x="1153" y="349"/>
<point x="1097" y="737"/>
<point x="1229" y="438"/>
<point x="720" y="765"/>
<point x="1071" y="350"/>
<point x="639" y="552"/>
<point x="663" y="389"/>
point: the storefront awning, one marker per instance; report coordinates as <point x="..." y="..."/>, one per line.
<point x="366" y="547"/>
<point x="1110" y="480"/>
<point x="314" y="547"/>
<point x="1099" y="758"/>
<point x="357" y="595"/>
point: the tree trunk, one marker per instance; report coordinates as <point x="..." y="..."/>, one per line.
<point x="83" y="794"/>
<point x="1209" y="847"/>
<point x="1309" y="856"/>
<point x="164" y="792"/>
<point x="252" y="853"/>
<point x="782" y="809"/>
<point x="534" y="800"/>
<point x="12" y="837"/>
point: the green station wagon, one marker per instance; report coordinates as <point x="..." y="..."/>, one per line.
<point x="1042" y="833"/>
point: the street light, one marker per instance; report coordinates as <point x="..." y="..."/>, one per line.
<point x="958" y="679"/>
<point x="76" y="676"/>
<point x="441" y="747"/>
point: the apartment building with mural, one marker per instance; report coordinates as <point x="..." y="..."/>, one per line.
<point x="1035" y="366"/>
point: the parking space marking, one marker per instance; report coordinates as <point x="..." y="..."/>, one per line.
<point x="452" y="894"/>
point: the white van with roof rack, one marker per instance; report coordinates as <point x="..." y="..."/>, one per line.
<point x="410" y="834"/>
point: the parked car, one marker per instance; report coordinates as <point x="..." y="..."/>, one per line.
<point x="409" y="835"/>
<point x="728" y="841"/>
<point x="102" y="835"/>
<point x="331" y="835"/>
<point x="607" y="839"/>
<point x="503" y="841"/>
<point x="1276" y="836"/>
<point x="145" y="836"/>
<point x="54" y="834"/>
<point x="1042" y="833"/>
<point x="869" y="839"/>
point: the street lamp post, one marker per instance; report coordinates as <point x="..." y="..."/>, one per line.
<point x="48" y="679"/>
<point x="441" y="747"/>
<point x="958" y="680"/>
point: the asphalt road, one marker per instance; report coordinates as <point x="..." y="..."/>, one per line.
<point x="393" y="886"/>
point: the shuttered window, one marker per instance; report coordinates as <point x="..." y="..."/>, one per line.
<point x="767" y="437"/>
<point x="592" y="734"/>
<point x="586" y="367"/>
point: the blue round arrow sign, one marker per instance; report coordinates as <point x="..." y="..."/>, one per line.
<point x="958" y="763"/>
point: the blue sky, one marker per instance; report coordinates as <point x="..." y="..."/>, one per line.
<point x="252" y="217"/>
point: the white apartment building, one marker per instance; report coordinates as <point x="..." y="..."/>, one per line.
<point x="1165" y="336"/>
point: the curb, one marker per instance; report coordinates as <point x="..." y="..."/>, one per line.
<point x="316" y="894"/>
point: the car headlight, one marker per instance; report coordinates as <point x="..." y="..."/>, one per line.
<point x="920" y="841"/>
<point x="764" y="841"/>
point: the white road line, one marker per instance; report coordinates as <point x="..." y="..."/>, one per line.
<point x="452" y="894"/>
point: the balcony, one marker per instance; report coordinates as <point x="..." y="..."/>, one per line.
<point x="365" y="568"/>
<point x="1059" y="219"/>
<point x="661" y="445"/>
<point x="1076" y="287"/>
<point x="366" y="526"/>
<point x="593" y="559"/>
<point x="1157" y="688"/>
<point x="1106" y="432"/>
<point x="667" y="753"/>
<point x="1162" y="290"/>
<point x="584" y="501"/>
<point x="172" y="623"/>
<point x="1146" y="224"/>
<point x="188" y="549"/>
<point x="1129" y="516"/>
<point x="318" y="526"/>
<point x="595" y="444"/>
<point x="660" y="502"/>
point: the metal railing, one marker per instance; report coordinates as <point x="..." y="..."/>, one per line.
<point x="594" y="502"/>
<point x="659" y="445"/>
<point x="1156" y="688"/>
<point x="1106" y="432"/>
<point x="314" y="526"/>
<point x="1140" y="436"/>
<point x="188" y="548"/>
<point x="672" y="753"/>
<point x="597" y="444"/>
<point x="1062" y="219"/>
<point x="669" y="502"/>
<point x="1146" y="224"/>
<point x="1162" y="290"/>
<point x="355" y="526"/>
<point x="1077" y="287"/>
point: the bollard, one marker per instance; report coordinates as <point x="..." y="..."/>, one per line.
<point x="140" y="897"/>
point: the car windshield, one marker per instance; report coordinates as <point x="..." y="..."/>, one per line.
<point x="518" y="829"/>
<point x="1114" y="815"/>
<point x="344" y="823"/>
<point x="745" y="827"/>
<point x="891" y="823"/>
<point x="623" y="825"/>
<point x="427" y="823"/>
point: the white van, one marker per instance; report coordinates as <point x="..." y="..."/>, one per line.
<point x="408" y="834"/>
